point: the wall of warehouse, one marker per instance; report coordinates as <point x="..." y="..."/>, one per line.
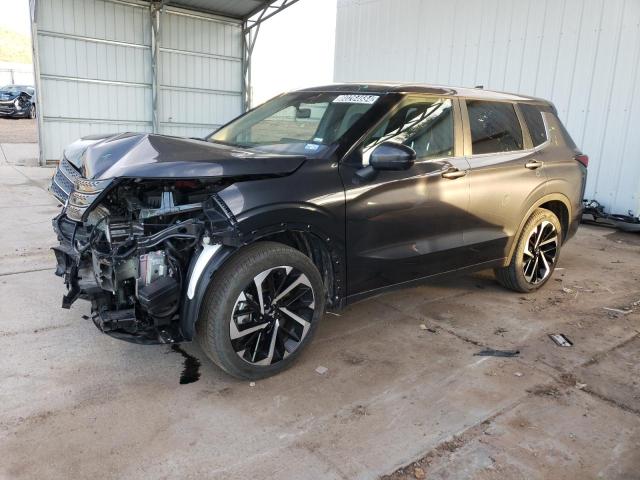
<point x="583" y="55"/>
<point x="95" y="70"/>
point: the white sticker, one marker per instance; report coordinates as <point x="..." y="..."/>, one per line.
<point x="353" y="98"/>
<point x="311" y="146"/>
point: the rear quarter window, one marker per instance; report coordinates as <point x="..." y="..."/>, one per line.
<point x="535" y="123"/>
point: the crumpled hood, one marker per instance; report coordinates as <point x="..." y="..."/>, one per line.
<point x="158" y="156"/>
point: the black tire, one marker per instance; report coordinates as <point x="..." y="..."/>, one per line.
<point x="523" y="274"/>
<point x="232" y="297"/>
<point x="32" y="111"/>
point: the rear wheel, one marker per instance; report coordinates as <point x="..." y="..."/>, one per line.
<point x="536" y="253"/>
<point x="261" y="309"/>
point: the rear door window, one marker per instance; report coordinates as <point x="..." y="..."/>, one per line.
<point x="494" y="127"/>
<point x="533" y="118"/>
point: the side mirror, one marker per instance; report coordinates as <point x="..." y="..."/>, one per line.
<point x="392" y="156"/>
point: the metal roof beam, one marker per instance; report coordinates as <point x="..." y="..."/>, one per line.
<point x="250" y="30"/>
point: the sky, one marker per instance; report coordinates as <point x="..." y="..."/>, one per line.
<point x="15" y="15"/>
<point x="294" y="48"/>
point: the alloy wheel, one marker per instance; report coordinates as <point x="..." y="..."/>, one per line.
<point x="272" y="315"/>
<point x="540" y="252"/>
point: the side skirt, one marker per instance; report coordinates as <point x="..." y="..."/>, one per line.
<point x="357" y="297"/>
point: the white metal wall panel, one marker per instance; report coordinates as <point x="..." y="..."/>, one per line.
<point x="200" y="73"/>
<point x="583" y="55"/>
<point x="95" y="70"/>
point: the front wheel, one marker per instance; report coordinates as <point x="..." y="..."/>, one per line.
<point x="536" y="253"/>
<point x="260" y="310"/>
<point x="32" y="112"/>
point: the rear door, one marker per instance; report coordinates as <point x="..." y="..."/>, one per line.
<point x="506" y="172"/>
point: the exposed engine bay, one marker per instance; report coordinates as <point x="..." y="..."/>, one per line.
<point x="128" y="248"/>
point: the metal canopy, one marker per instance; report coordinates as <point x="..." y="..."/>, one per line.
<point x="155" y="42"/>
<point x="239" y="9"/>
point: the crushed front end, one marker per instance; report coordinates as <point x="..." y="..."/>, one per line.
<point x="127" y="245"/>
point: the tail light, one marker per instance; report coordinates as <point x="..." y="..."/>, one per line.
<point x="583" y="159"/>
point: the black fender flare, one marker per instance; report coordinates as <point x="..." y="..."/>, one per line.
<point x="191" y="305"/>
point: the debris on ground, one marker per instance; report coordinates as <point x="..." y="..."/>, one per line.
<point x="500" y="331"/>
<point x="594" y="213"/>
<point x="423" y="326"/>
<point x="561" y="339"/>
<point x="567" y="290"/>
<point x="490" y="352"/>
<point x="321" y="370"/>
<point x="618" y="310"/>
<point x="252" y="384"/>
<point x="419" y="473"/>
<point x="518" y="374"/>
<point x="545" y="391"/>
<point x="360" y="411"/>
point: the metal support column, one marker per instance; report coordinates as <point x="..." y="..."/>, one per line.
<point x="33" y="12"/>
<point x="155" y="12"/>
<point x="250" y="29"/>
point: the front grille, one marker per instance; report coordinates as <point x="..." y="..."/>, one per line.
<point x="63" y="180"/>
<point x="58" y="192"/>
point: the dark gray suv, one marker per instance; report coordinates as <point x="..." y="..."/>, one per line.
<point x="311" y="201"/>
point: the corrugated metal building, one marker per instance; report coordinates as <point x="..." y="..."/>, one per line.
<point x="177" y="67"/>
<point x="584" y="55"/>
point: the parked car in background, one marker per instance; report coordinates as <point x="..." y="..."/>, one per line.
<point x="18" y="101"/>
<point x="313" y="200"/>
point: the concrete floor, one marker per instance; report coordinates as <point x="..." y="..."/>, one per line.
<point x="18" y="130"/>
<point x="77" y="404"/>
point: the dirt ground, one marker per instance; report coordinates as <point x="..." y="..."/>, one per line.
<point x="407" y="392"/>
<point x="18" y="130"/>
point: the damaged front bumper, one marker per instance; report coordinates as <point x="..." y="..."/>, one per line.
<point x="138" y="268"/>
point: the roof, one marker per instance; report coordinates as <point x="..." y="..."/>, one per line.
<point x="239" y="9"/>
<point x="382" y="87"/>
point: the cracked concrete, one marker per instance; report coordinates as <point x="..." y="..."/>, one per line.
<point x="78" y="404"/>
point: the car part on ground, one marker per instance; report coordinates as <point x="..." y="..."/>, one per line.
<point x="594" y="214"/>
<point x="18" y="101"/>
<point x="242" y="239"/>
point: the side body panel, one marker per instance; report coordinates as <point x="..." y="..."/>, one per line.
<point x="566" y="176"/>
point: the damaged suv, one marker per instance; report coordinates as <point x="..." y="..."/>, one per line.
<point x="311" y="201"/>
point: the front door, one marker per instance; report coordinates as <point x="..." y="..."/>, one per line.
<point x="405" y="225"/>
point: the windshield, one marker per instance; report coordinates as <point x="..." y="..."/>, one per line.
<point x="13" y="89"/>
<point x="297" y="123"/>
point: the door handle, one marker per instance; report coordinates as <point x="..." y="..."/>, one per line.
<point x="532" y="165"/>
<point x="453" y="173"/>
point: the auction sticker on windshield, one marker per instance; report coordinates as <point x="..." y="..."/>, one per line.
<point x="368" y="99"/>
